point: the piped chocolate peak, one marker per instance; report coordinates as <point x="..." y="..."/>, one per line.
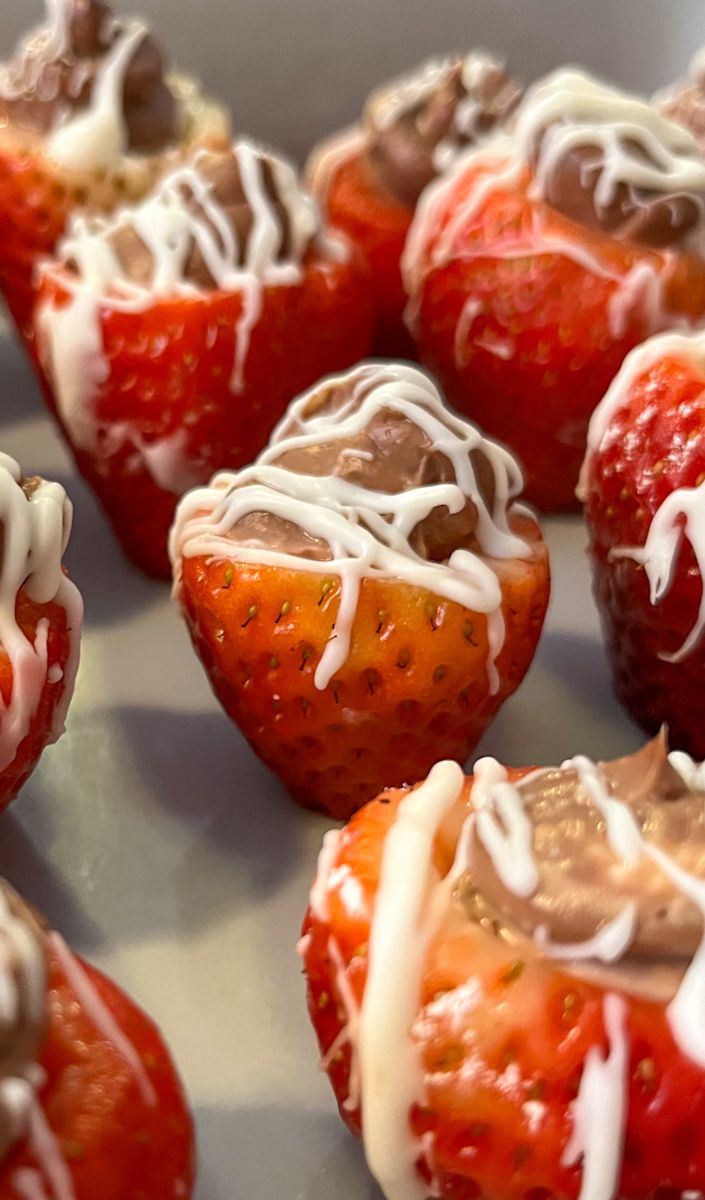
<point x="612" y="162"/>
<point x="58" y="69"/>
<point x="416" y="126"/>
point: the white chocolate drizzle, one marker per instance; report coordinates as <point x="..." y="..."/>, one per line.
<point x="97" y="137"/>
<point x="608" y="945"/>
<point x="600" y="1110"/>
<point x="367" y="531"/>
<point x="180" y="213"/>
<point x="36" y="532"/>
<point x="390" y="1068"/>
<point x="567" y="110"/>
<point x="100" y="1015"/>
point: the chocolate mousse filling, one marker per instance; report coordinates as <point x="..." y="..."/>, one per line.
<point x="584" y="886"/>
<point x="391" y="455"/>
<point x="416" y="127"/>
<point x="54" y="74"/>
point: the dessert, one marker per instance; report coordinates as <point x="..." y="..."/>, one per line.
<point x="644" y="494"/>
<point x="684" y="101"/>
<point x="90" y="1101"/>
<point x="173" y="334"/>
<point x="90" y="117"/>
<point x="40" y="622"/>
<point x="544" y="256"/>
<point x="505" y="974"/>
<point x="366" y="594"/>
<point x="369" y="178"/>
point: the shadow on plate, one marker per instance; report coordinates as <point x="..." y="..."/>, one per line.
<point x="27" y="869"/>
<point x="279" y="1154"/>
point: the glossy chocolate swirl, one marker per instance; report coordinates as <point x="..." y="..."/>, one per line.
<point x="416" y="127"/>
<point x="55" y="72"/>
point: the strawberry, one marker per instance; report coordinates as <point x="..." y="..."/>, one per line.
<point x="526" y="339"/>
<point x="369" y="179"/>
<point x="500" y="1042"/>
<point x="40" y="623"/>
<point x="123" y="1133"/>
<point x="53" y="165"/>
<point x="197" y="373"/>
<point x="343" y="688"/>
<point x="547" y="255"/>
<point x="648" y="443"/>
<point x="378" y="223"/>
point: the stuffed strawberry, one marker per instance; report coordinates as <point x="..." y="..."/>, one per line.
<point x="505" y="972"/>
<point x="369" y="178"/>
<point x="40" y="622"/>
<point x="367" y="594"/>
<point x="88" y="119"/>
<point x="645" y="506"/>
<point x="545" y="256"/>
<point x="90" y="1102"/>
<point x="173" y="336"/>
<point x="684" y="101"/>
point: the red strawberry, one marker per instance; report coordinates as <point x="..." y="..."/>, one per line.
<point x="546" y="256"/>
<point x="124" y="1133"/>
<point x="648" y="442"/>
<point x="163" y="120"/>
<point x="378" y="223"/>
<point x="182" y="382"/>
<point x="34" y="689"/>
<point x="415" y="677"/>
<point x="369" y="179"/>
<point x="502" y="1040"/>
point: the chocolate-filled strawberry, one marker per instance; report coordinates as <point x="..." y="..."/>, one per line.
<point x="506" y="972"/>
<point x="90" y="116"/>
<point x="644" y="493"/>
<point x="90" y="1101"/>
<point x="173" y="335"/>
<point x="684" y="100"/>
<point x="40" y="622"/>
<point x="369" y="178"/>
<point x="545" y="256"/>
<point x="368" y="593"/>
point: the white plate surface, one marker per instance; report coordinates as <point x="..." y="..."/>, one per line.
<point x="167" y="854"/>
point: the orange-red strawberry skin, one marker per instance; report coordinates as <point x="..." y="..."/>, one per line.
<point x="491" y="1054"/>
<point x="656" y="444"/>
<point x="34" y="208"/>
<point x="171" y="372"/>
<point x="117" y="1145"/>
<point x="378" y="223"/>
<point x="414" y="687"/>
<point x="525" y="339"/>
<point x="28" y="614"/>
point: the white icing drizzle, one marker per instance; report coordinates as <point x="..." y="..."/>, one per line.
<point x="621" y="828"/>
<point x="692" y="773"/>
<point x="682" y="515"/>
<point x="28" y="1184"/>
<point x="566" y="110"/>
<point x="608" y="945"/>
<point x="36" y="532"/>
<point x="179" y="213"/>
<point x="101" y="1016"/>
<point x="391" y="1072"/>
<point x="97" y="136"/>
<point x="18" y="945"/>
<point x="507" y="835"/>
<point x="351" y="518"/>
<point x="600" y="1110"/>
<point x="47" y="1150"/>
